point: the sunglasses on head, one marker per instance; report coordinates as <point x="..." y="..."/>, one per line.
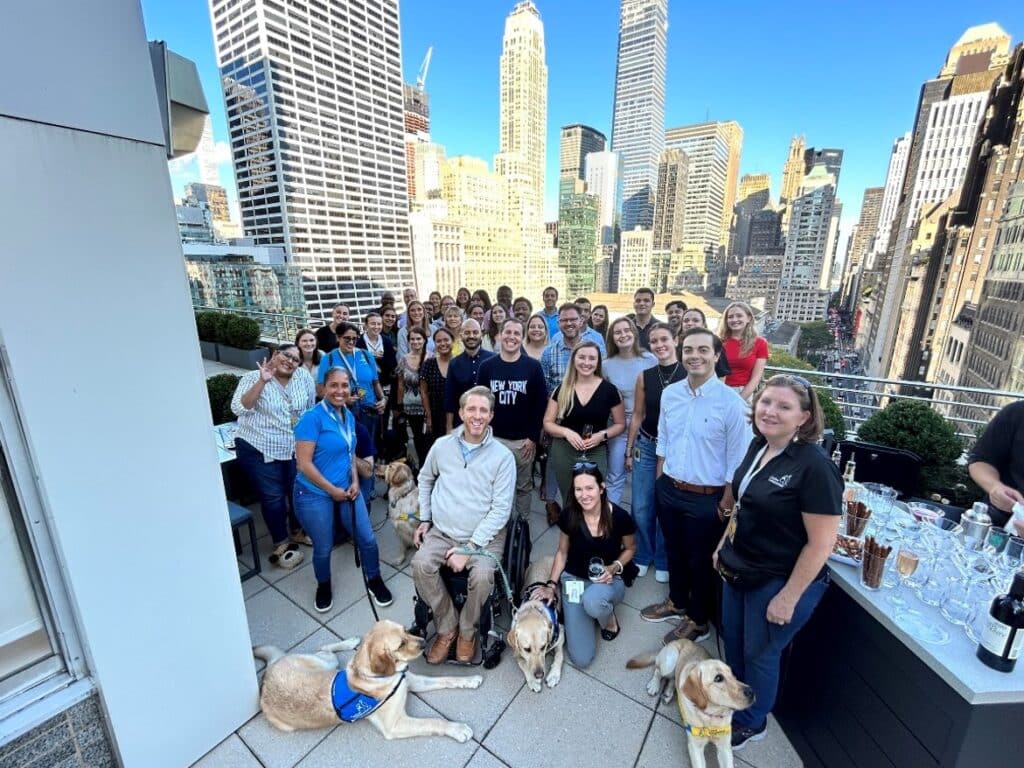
<point x="583" y="466"/>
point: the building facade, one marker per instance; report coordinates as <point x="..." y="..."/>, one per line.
<point x="578" y="245"/>
<point x="861" y="241"/>
<point x="638" y="111"/>
<point x="792" y="176"/>
<point x="316" y="173"/>
<point x="636" y="256"/>
<point x="248" y="278"/>
<point x="754" y="195"/>
<point x="576" y="142"/>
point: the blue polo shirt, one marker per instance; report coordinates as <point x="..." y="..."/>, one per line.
<point x="362" y="372"/>
<point x="335" y="444"/>
<point x="552" y="321"/>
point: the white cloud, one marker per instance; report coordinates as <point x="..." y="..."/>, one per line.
<point x="183" y="166"/>
<point x="222" y="153"/>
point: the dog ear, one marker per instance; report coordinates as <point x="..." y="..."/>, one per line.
<point x="510" y="638"/>
<point x="693" y="688"/>
<point x="382" y="662"/>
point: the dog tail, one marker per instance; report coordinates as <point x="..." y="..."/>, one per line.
<point x="268" y="653"/>
<point x="639" y="662"/>
<point x="348" y="644"/>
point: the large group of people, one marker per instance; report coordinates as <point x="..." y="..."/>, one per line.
<point x="731" y="501"/>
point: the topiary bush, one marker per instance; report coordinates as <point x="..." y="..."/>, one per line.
<point x="240" y="332"/>
<point x="914" y="426"/>
<point x="220" y="389"/>
<point x="833" y="414"/>
<point x="208" y="326"/>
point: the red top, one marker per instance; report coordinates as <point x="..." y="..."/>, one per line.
<point x="742" y="367"/>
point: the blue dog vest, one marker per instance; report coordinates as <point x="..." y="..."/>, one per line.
<point x="350" y="705"/>
<point x="554" y="623"/>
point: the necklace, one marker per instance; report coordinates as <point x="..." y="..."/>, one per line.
<point x="665" y="382"/>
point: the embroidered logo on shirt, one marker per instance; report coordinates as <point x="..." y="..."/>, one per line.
<point x="780" y="482"/>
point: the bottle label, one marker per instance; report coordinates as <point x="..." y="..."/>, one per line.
<point x="995" y="636"/>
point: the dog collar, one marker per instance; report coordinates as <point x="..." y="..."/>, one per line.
<point x="406" y="516"/>
<point x="351" y="706"/>
<point x="702" y="731"/>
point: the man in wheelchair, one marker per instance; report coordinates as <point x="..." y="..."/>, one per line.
<point x="467" y="487"/>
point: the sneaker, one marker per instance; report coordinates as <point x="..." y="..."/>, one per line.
<point x="286" y="555"/>
<point x="641" y="571"/>
<point x="324" y="599"/>
<point x="662" y="611"/>
<point x="661" y="576"/>
<point x="687" y="629"/>
<point x="553" y="510"/>
<point x="380" y="592"/>
<point x="741" y="736"/>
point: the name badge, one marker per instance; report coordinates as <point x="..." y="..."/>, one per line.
<point x="574" y="590"/>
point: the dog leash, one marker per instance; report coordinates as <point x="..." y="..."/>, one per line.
<point x="355" y="552"/>
<point x="464" y="550"/>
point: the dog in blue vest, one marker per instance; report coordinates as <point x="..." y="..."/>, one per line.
<point x="305" y="691"/>
<point x="536" y="631"/>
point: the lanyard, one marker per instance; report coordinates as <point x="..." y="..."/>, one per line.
<point x="753" y="470"/>
<point x="346" y="433"/>
<point x="350" y="368"/>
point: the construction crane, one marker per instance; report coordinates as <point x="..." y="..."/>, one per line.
<point x="421" y="78"/>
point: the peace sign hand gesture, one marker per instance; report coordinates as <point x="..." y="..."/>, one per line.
<point x="267" y="368"/>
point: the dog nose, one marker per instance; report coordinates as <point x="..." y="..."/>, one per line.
<point x="538" y="673"/>
<point x="749" y="693"/>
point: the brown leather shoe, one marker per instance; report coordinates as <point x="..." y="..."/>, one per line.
<point x="465" y="650"/>
<point x="553" y="510"/>
<point x="440" y="647"/>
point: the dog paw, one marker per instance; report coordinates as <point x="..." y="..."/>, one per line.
<point x="554" y="678"/>
<point x="652" y="688"/>
<point x="474" y="681"/>
<point x="460" y="732"/>
<point x="534" y="685"/>
<point x="668" y="695"/>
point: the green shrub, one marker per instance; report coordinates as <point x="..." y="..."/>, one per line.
<point x="240" y="332"/>
<point x="833" y="414"/>
<point x="914" y="426"/>
<point x="220" y="389"/>
<point x="208" y="326"/>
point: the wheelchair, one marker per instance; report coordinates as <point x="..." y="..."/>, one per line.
<point x="504" y="597"/>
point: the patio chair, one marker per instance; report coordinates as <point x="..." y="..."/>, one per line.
<point x="240" y="516"/>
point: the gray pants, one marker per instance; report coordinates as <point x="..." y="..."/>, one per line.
<point x="524" y="476"/>
<point x="597" y="604"/>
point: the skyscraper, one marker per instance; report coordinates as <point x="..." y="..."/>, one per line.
<point x="638" y="111"/>
<point x="832" y="159"/>
<point x="754" y="194"/>
<point x="861" y="240"/>
<point x="793" y="172"/>
<point x="713" y="150"/>
<point x="804" y="283"/>
<point x="603" y="172"/>
<point x="577" y="141"/>
<point x="523" y="91"/>
<point x="206" y="155"/>
<point x="669" y="210"/>
<point x="635" y="260"/>
<point x="315" y="172"/>
<point x="417" y="130"/>
<point x="950" y="109"/>
<point x="578" y="238"/>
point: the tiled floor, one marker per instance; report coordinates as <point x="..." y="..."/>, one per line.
<point x="598" y="716"/>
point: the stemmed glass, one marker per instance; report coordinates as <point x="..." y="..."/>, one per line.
<point x="586" y="434"/>
<point x="907" y="560"/>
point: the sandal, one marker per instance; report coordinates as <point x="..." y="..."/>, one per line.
<point x="286" y="555"/>
<point x="299" y="536"/>
<point x="608" y="634"/>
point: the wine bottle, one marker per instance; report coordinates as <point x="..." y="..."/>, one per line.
<point x="1003" y="635"/>
<point x="851" y="470"/>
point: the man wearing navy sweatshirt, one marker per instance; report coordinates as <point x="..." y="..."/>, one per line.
<point x="520" y="395"/>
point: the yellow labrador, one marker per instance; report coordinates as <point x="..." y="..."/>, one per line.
<point x="535" y="632"/>
<point x="403" y="504"/>
<point x="302" y="691"/>
<point x="708" y="695"/>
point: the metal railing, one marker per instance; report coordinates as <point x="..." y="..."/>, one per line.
<point x="859" y="397"/>
<point x="275" y="327"/>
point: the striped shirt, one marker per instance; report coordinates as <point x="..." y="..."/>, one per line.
<point x="268" y="426"/>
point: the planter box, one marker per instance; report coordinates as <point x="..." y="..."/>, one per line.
<point x="247" y="359"/>
<point x="209" y="350"/>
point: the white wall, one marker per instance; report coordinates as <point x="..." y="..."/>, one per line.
<point x="96" y="319"/>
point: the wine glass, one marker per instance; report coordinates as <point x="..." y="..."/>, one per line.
<point x="595" y="568"/>
<point x="907" y="560"/>
<point x="586" y="434"/>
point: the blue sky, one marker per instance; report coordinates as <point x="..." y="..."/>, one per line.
<point x="843" y="74"/>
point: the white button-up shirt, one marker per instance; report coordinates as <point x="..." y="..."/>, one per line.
<point x="268" y="425"/>
<point x="703" y="434"/>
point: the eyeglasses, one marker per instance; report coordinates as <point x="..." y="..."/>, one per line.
<point x="293" y="359"/>
<point x="348" y="338"/>
<point x="583" y="466"/>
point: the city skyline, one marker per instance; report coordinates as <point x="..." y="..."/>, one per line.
<point x="851" y="98"/>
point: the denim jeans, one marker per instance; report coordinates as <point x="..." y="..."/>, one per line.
<point x="596" y="606"/>
<point x="273" y="481"/>
<point x="370" y="419"/>
<point x="617" y="465"/>
<point x="650" y="543"/>
<point x="318" y="513"/>
<point x="753" y="647"/>
<point x="692" y="530"/>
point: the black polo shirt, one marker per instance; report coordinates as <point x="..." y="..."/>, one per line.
<point x="326" y="339"/>
<point x="642" y="333"/>
<point x="770" y="532"/>
<point x="1002" y="446"/>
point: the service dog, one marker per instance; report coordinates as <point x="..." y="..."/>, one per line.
<point x="403" y="505"/>
<point x="536" y="631"/>
<point x="303" y="691"/>
<point x="708" y="694"/>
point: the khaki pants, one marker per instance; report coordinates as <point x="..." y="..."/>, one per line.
<point x="524" y="476"/>
<point x="426" y="572"/>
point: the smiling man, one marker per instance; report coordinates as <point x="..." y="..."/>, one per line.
<point x="466" y="489"/>
<point x="703" y="434"/>
<point x="463" y="371"/>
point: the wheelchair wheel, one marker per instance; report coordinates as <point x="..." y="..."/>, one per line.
<point x="518" y="547"/>
<point x="422" y="616"/>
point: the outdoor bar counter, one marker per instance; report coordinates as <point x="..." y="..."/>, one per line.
<point x="857" y="690"/>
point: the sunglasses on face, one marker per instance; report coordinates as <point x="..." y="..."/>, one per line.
<point x="293" y="359"/>
<point x="349" y="338"/>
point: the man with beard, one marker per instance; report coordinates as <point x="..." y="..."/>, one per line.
<point x="464" y="370"/>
